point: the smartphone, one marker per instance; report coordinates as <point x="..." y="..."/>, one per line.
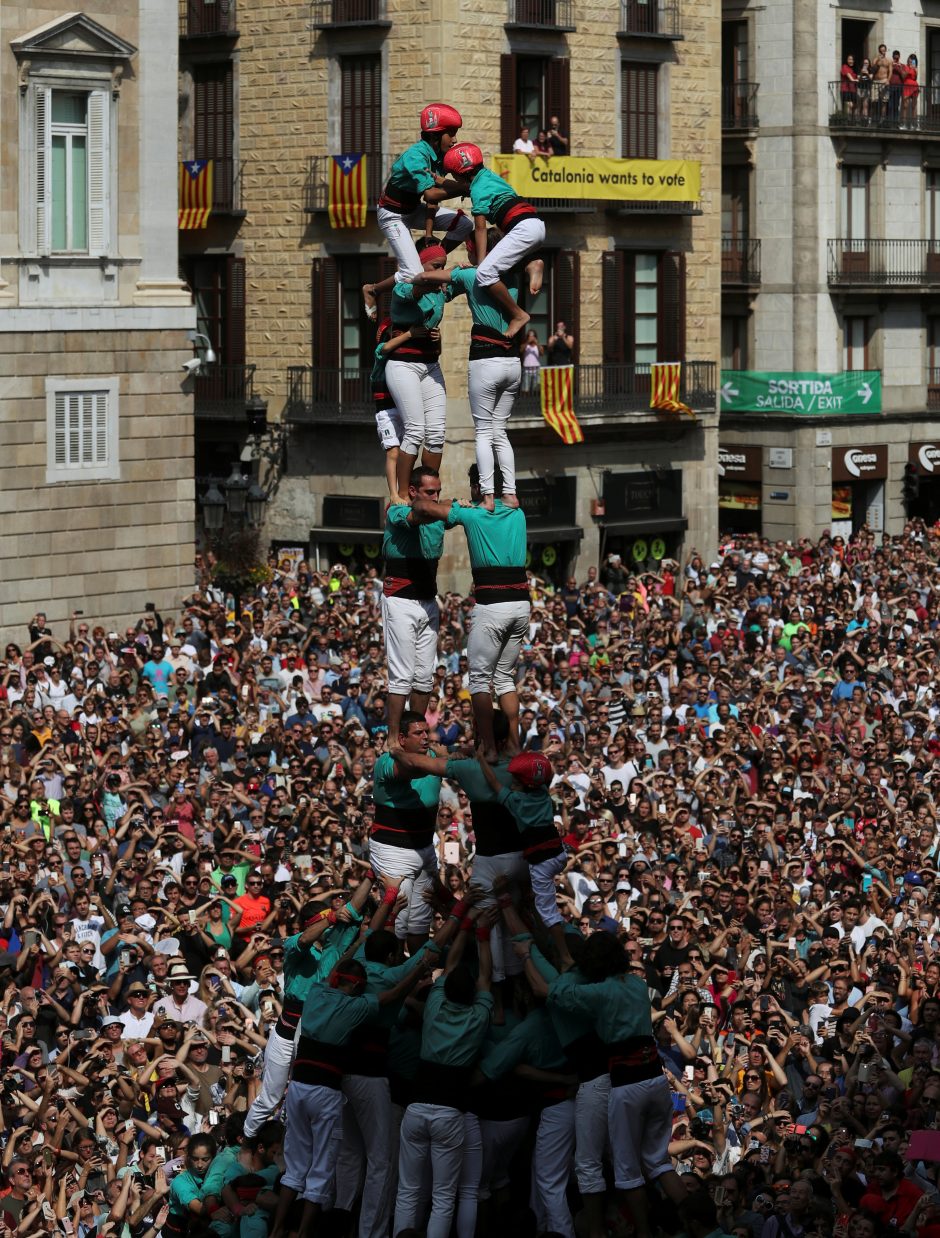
<point x="863" y="1143"/>
<point x="791" y="945"/>
<point x="125" y="960"/>
<point x="84" y="1033"/>
<point x="764" y="1004"/>
<point x="678" y="1103"/>
<point x="129" y="1124"/>
<point x="21" y="867"/>
<point x="688" y="1074"/>
<point x="268" y="1007"/>
<point x="866" y="882"/>
<point x="226" y="1054"/>
<point x="192" y="917"/>
<point x="79" y="612"/>
<point x="48" y="1211"/>
<point x="213" y="1118"/>
<point x="149" y="607"/>
<point x="96" y="868"/>
<point x="30" y="937"/>
<point x="160" y="1154"/>
<point x="451" y="852"/>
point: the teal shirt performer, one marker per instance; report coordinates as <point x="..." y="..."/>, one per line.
<point x="490" y="194"/>
<point x="404" y="540"/>
<point x="495" y="539"/>
<point x="415" y="168"/>
<point x="411" y="309"/>
<point x="452" y="1033"/>
<point x="484" y="309"/>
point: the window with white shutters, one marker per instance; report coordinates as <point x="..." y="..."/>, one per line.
<point x="82" y="428"/>
<point x="72" y="171"/>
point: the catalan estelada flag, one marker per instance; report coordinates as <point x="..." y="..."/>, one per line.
<point x="558" y="402"/>
<point x="348" y="191"/>
<point x="665" y="377"/>
<point x="195" y="204"/>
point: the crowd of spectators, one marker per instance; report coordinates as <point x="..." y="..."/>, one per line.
<point x="745" y="754"/>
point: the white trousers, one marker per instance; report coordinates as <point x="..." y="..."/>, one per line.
<point x="406" y="862"/>
<point x="500" y="1141"/>
<point x="390" y="427"/>
<point x="591" y="1134"/>
<point x="527" y="235"/>
<point x="430" y="1135"/>
<point x="275" y="1073"/>
<point x="417" y="387"/>
<point x="397" y="231"/>
<point x="543" y="876"/>
<point x="366" y="1156"/>
<point x="551" y="1169"/>
<point x="640" y="1120"/>
<point x="471" y="1168"/>
<point x="492" y="385"/>
<point x="311" y="1143"/>
<point x="486" y="868"/>
<point x="497" y="633"/>
<point x="411" y="629"/>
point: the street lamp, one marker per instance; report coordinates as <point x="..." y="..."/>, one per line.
<point x="255" y="502"/>
<point x="236" y="491"/>
<point x="213" y="509"/>
<point x="256" y="412"/>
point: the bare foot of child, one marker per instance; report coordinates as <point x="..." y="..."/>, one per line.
<point x="516" y="323"/>
<point x="368" y="295"/>
<point x="510" y="500"/>
<point x="489" y="503"/>
<point x="536" y="270"/>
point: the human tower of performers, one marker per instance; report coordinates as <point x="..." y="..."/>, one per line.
<point x="524" y="1036"/>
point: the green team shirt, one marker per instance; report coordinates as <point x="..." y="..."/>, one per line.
<point x="305" y="966"/>
<point x="218" y="1171"/>
<point x="452" y="1033"/>
<point x="379" y="364"/>
<point x="403" y="540"/>
<point x="489" y="193"/>
<point x="494" y="539"/>
<point x="531" y="810"/>
<point x="483" y="308"/>
<point x="618" y="1006"/>
<point x="413" y="171"/>
<point x="467" y="774"/>
<point x="532" y="1042"/>
<point x="423" y="792"/>
<point x="411" y="309"/>
<point x="379" y="979"/>
<point x="332" y="1016"/>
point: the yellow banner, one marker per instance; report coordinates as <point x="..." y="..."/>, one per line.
<point x="617" y="180"/>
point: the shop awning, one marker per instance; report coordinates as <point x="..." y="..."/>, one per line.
<point x="554" y="533"/>
<point x="331" y="533"/>
<point x="641" y="528"/>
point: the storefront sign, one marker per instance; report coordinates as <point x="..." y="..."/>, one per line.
<point x="737" y="463"/>
<point x="859" y="463"/>
<point x="857" y="391"/>
<point x="630" y="496"/>
<point x="345" y="511"/>
<point x="924" y="458"/>
<point x="780" y="457"/>
<point x="614" y="180"/>
<point x="547" y="500"/>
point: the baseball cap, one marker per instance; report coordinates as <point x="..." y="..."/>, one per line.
<point x="532" y="769"/>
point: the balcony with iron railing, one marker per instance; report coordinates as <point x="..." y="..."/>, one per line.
<point x="886" y="264"/>
<point x="641" y="207"/>
<point x="220" y="394"/>
<point x="317" y="185"/>
<point x="338" y="397"/>
<point x="227" y="186"/>
<point x="933" y="388"/>
<point x="740" y="261"/>
<point x="205" y="18"/>
<point x="739" y="106"/>
<point x="873" y="111"/>
<point x="329" y="14"/>
<point x="541" y="14"/>
<point x="650" y="19"/>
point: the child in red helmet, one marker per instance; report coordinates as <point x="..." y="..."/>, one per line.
<point x="494" y="201"/>
<point x="414" y="188"/>
<point x="532" y="809"/>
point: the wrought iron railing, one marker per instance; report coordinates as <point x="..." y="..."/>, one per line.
<point x="885" y="263"/>
<point x="221" y="392"/>
<point x="740" y="260"/>
<point x="226" y="184"/>
<point x="650" y="18"/>
<point x="207" y="17"/>
<point x="317" y="187"/>
<point x="546" y="14"/>
<point x="327" y="396"/>
<point x="327" y="13"/>
<point x="739" y="105"/>
<point x="933" y="387"/>
<point x="878" y="107"/>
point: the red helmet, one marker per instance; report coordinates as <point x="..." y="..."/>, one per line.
<point x="462" y="158"/>
<point x="532" y="769"/>
<point x="437" y="117"/>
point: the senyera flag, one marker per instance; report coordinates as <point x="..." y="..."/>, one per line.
<point x="665" y="379"/>
<point x="557" y="385"/>
<point x="195" y="196"/>
<point x="348" y="191"/>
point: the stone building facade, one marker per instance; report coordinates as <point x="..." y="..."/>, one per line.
<point x="96" y="491"/>
<point x="638" y="78"/>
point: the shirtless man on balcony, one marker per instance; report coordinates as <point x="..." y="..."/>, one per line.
<point x="881" y="81"/>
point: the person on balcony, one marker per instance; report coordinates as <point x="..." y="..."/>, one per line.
<point x="543" y="146"/>
<point x="881" y="81"/>
<point x="532" y="352"/>
<point x="560" y="347"/>
<point x="909" y="92"/>
<point x="849" y="86"/>
<point x="864" y="89"/>
<point x="557" y="140"/>
<point x="524" y="145"/>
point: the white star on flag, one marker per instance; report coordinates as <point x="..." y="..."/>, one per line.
<point x="347" y="163"/>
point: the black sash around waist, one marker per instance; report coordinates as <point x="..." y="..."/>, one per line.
<point x="289" y="1018"/>
<point x="411" y="578"/>
<point x="443" y="1085"/>
<point x="381" y="397"/>
<point x="367" y="1052"/>
<point x="401" y="201"/>
<point x="318" y="1063"/>
<point x="512" y="213"/>
<point x="500" y="584"/>
<point x="494" y="828"/>
<point x="588" y="1056"/>
<point x="404" y="827"/>
<point x="487" y="342"/>
<point x="541" y="843"/>
<point x="422" y="349"/>
<point x="500" y="1100"/>
<point x="633" y="1060"/>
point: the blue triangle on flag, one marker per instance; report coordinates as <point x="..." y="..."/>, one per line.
<point x="194" y="166"/>
<point x="346" y="163"/>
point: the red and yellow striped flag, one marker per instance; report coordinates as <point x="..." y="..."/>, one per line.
<point x="195" y="197"/>
<point x="665" y="377"/>
<point x="558" y="402"/>
<point x="348" y="191"/>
